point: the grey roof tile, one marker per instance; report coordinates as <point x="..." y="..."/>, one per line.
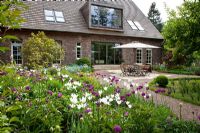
<point x="74" y="21"/>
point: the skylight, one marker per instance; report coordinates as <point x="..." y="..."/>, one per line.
<point x="135" y="25"/>
<point x="54" y="16"/>
<point x="49" y="15"/>
<point x="138" y="25"/>
<point x="59" y="16"/>
<point x="132" y="25"/>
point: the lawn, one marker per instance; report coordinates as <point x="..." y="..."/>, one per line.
<point x="64" y="100"/>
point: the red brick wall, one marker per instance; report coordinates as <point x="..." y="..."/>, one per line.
<point x="69" y="41"/>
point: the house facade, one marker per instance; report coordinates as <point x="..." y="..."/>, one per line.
<point x="89" y="29"/>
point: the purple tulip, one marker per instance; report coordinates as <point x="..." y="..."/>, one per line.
<point x="50" y="92"/>
<point x="156" y="91"/>
<point x="14" y="89"/>
<point x="128" y="94"/>
<point x="199" y="117"/>
<point x="98" y="104"/>
<point x="126" y="114"/>
<point x="133" y="91"/>
<point x="88" y="110"/>
<point x="117" y="90"/>
<point x="116" y="81"/>
<point x="59" y="94"/>
<point x="117" y="129"/>
<point x="28" y="88"/>
<point x="143" y="94"/>
<point x="91" y="88"/>
<point x="131" y="85"/>
<point x="123" y="98"/>
<point x="147" y="96"/>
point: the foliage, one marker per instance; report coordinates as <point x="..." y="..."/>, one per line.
<point x="161" y="80"/>
<point x="181" y="33"/>
<point x="83" y="61"/>
<point x="78" y="68"/>
<point x="41" y="51"/>
<point x="154" y="16"/>
<point x="192" y="70"/>
<point x="185" y="89"/>
<point x="34" y="101"/>
<point x="10" y="12"/>
<point x="177" y="126"/>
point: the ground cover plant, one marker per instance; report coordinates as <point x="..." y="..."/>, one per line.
<point x="49" y="100"/>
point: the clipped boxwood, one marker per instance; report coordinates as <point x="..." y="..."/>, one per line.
<point x="161" y="80"/>
<point x="83" y="61"/>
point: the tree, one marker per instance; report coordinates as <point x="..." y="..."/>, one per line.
<point x="181" y="33"/>
<point x="154" y="17"/>
<point x="41" y="51"/>
<point x="10" y="11"/>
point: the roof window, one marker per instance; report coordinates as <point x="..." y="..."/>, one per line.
<point x="135" y="25"/>
<point x="54" y="16"/>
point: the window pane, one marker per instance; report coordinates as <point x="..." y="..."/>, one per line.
<point x="59" y="14"/>
<point x="138" y="25"/>
<point x="60" y="19"/>
<point x="106" y="17"/>
<point x="132" y="25"/>
<point x="49" y="18"/>
<point x="48" y="13"/>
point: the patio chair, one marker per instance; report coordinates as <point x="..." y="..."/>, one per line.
<point x="124" y="69"/>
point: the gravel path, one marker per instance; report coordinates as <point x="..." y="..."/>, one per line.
<point x="181" y="109"/>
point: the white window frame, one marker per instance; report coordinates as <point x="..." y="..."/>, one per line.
<point x="148" y="57"/>
<point x="78" y="47"/>
<point x="14" y="43"/>
<point x="137" y="56"/>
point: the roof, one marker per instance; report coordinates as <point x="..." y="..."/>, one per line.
<point x="75" y="22"/>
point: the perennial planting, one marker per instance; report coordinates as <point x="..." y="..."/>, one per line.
<point x="60" y="101"/>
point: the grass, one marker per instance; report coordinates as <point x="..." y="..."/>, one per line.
<point x="185" y="89"/>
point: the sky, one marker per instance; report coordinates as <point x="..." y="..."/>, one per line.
<point x="144" y="6"/>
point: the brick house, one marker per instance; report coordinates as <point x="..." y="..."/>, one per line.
<point x="89" y="29"/>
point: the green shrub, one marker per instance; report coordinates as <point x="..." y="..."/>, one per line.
<point x="83" y="61"/>
<point x="52" y="71"/>
<point x="40" y="51"/>
<point x="161" y="80"/>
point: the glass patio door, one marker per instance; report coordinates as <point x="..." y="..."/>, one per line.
<point x="103" y="53"/>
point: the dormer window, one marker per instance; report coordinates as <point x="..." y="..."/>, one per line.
<point x="106" y="17"/>
<point x="54" y="16"/>
<point x="135" y="25"/>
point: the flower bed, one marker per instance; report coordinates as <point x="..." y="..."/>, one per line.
<point x="59" y="101"/>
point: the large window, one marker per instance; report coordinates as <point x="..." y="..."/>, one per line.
<point x="78" y="50"/>
<point x="16" y="52"/>
<point x="54" y="16"/>
<point x="104" y="53"/>
<point x="149" y="56"/>
<point x="139" y="56"/>
<point x="106" y="17"/>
